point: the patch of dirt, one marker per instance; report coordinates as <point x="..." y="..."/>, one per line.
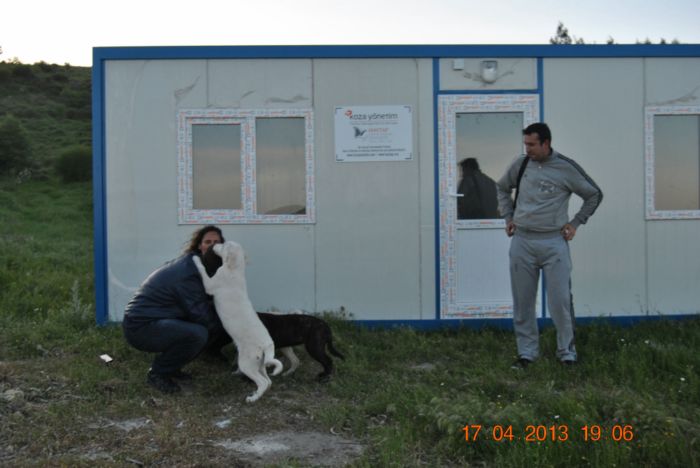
<point x="314" y="448"/>
<point x="121" y="420"/>
<point x="125" y="425"/>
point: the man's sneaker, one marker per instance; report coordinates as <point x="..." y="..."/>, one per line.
<point x="179" y="375"/>
<point x="162" y="382"/>
<point x="521" y="363"/>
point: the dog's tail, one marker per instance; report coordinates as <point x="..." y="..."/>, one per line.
<point x="269" y="359"/>
<point x="332" y="349"/>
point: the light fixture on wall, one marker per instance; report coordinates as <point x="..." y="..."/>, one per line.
<point x="489" y="71"/>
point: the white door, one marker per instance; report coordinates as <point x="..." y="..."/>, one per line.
<point x="483" y="131"/>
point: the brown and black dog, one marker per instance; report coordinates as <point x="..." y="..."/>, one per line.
<point x="288" y="330"/>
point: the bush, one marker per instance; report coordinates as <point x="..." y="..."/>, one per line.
<point x="15" y="149"/>
<point x="4" y="74"/>
<point x="75" y="164"/>
<point x="23" y="71"/>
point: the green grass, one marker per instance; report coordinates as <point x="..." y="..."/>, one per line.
<point x="405" y="395"/>
<point x="46" y="245"/>
<point x="647" y="381"/>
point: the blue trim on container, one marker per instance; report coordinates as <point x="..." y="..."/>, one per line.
<point x="98" y="190"/>
<point x="396" y="51"/>
<point x="540" y="85"/>
<point x="436" y="191"/>
<point x="540" y="89"/>
<point x="507" y="324"/>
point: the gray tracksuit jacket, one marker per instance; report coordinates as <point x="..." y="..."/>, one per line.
<point x="545" y="189"/>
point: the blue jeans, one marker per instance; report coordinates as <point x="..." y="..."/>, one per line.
<point x="177" y="342"/>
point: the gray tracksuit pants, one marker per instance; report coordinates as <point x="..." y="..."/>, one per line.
<point x="531" y="252"/>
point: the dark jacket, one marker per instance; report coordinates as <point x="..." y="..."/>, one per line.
<point x="479" y="200"/>
<point x="173" y="291"/>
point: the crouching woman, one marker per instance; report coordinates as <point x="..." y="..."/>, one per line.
<point x="172" y="315"/>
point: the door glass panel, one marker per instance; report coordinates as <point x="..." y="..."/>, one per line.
<point x="216" y="166"/>
<point x="487" y="142"/>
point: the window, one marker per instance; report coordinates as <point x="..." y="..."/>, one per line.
<point x="245" y="166"/>
<point x="673" y="162"/>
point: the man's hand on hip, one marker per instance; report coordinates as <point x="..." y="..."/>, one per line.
<point x="510" y="228"/>
<point x="568" y="231"/>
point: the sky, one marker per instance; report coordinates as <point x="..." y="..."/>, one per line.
<point x="65" y="31"/>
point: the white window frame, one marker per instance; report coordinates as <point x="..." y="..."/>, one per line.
<point x="246" y="119"/>
<point x="650" y="162"/>
<point x="448" y="107"/>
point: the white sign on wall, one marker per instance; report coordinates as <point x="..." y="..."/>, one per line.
<point x="373" y="133"/>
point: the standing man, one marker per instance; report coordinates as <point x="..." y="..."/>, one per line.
<point x="538" y="222"/>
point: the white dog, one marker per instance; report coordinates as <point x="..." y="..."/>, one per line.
<point x="256" y="350"/>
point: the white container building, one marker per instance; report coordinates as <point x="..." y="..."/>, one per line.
<point x="337" y="169"/>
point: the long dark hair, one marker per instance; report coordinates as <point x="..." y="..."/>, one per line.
<point x="197" y="236"/>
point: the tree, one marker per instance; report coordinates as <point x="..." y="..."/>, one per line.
<point x="563" y="37"/>
<point x="15" y="149"/>
<point x="663" y="41"/>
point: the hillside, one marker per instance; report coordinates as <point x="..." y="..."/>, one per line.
<point x="52" y="102"/>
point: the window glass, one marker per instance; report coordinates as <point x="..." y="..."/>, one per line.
<point x="216" y="166"/>
<point x="280" y="165"/>
<point x="677" y="162"/>
<point x="487" y="142"/>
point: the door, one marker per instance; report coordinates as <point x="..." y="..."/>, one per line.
<point x="479" y="137"/>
